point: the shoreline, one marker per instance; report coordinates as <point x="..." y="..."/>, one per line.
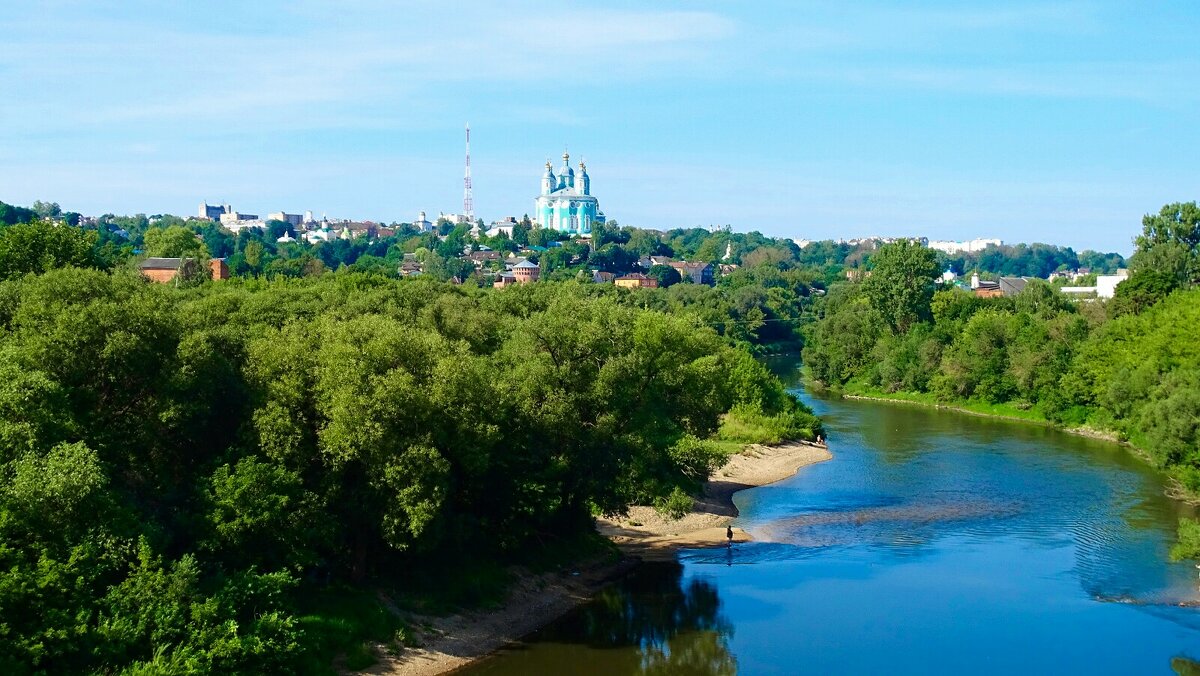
<point x="1172" y="488"/>
<point x="646" y="534"/>
<point x="452" y="642"/>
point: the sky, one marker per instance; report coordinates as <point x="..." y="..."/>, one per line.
<point x="1058" y="122"/>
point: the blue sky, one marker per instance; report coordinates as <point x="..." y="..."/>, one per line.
<point x="1061" y="122"/>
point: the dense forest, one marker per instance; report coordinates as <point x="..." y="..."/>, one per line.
<point x="1130" y="366"/>
<point x="183" y="467"/>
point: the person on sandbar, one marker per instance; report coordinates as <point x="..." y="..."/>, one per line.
<point x="729" y="534"/>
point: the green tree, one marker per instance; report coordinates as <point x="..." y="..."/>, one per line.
<point x="901" y="283"/>
<point x="46" y="210"/>
<point x="174" y="242"/>
<point x="1170" y="242"/>
<point x="665" y="274"/>
<point x="1141" y="290"/>
<point x="40" y="246"/>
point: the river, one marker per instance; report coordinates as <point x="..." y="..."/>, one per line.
<point x="932" y="542"/>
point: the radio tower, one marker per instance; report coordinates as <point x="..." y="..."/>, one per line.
<point x="468" y="202"/>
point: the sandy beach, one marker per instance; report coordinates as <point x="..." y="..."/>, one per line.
<point x="648" y="535"/>
<point x="451" y="642"/>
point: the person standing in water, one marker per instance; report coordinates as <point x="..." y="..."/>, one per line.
<point x="729" y="534"/>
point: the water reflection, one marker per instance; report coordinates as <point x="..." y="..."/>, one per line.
<point x="652" y="623"/>
<point x="932" y="542"/>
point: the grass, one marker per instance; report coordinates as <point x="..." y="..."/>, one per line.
<point x="748" y="425"/>
<point x="1004" y="410"/>
<point x="346" y="622"/>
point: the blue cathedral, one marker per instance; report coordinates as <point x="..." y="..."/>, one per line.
<point x="566" y="203"/>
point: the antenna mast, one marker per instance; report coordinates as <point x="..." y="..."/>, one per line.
<point x="468" y="201"/>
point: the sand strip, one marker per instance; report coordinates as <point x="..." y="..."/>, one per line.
<point x="646" y="534"/>
<point x="457" y="640"/>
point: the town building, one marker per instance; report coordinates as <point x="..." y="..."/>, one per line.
<point x="636" y="280"/>
<point x="232" y="217"/>
<point x="526" y="272"/>
<point x="293" y="219"/>
<point x="698" y="273"/>
<point x="503" y="226"/>
<point x="1106" y="285"/>
<point x="566" y="203"/>
<point x="422" y="224"/>
<point x="971" y="246"/>
<point x="165" y="270"/>
<point x="1005" y="286"/>
<point x="213" y="212"/>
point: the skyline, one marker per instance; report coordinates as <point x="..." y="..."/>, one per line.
<point x="1059" y="122"/>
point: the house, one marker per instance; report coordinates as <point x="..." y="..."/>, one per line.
<point x="409" y="268"/>
<point x="422" y="224"/>
<point x="1005" y="286"/>
<point x="165" y="270"/>
<point x="699" y="273"/>
<point x="650" y="261"/>
<point x="602" y="277"/>
<point x="1106" y="285"/>
<point x="636" y="280"/>
<point x="480" y="258"/>
<point x="504" y="279"/>
<point x="1011" y="286"/>
<point x="503" y="226"/>
<point x="727" y="268"/>
<point x="356" y="230"/>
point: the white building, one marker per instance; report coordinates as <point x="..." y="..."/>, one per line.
<point x="971" y="246"/>
<point x="293" y="219"/>
<point x="323" y="234"/>
<point x="1106" y="285"/>
<point x="422" y="224"/>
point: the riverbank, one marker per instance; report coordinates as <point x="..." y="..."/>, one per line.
<point x="451" y="642"/>
<point x="1173" y="488"/>
<point x="646" y="534"/>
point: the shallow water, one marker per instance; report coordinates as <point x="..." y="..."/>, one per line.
<point x="932" y="542"/>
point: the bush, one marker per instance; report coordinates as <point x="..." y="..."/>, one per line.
<point x="674" y="505"/>
<point x="1188" y="544"/>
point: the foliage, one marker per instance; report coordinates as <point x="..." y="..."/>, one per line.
<point x="41" y="245"/>
<point x="900" y="286"/>
<point x="665" y="274"/>
<point x="183" y="469"/>
<point x="1170" y="242"/>
<point x="1187" y="545"/>
<point x="675" y="504"/>
<point x="1130" y="370"/>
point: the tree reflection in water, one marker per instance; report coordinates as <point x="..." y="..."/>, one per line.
<point x="652" y="623"/>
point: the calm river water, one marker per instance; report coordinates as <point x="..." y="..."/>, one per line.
<point x="932" y="542"/>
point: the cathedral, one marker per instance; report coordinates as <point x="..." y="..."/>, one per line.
<point x="566" y="203"/>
